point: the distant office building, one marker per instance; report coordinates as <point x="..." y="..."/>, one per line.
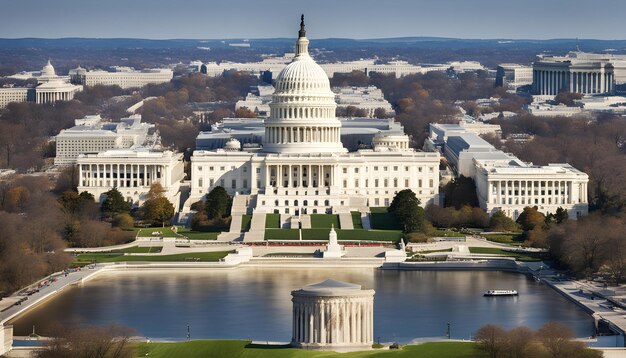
<point x="504" y="182"/>
<point x="513" y="76"/>
<point x="367" y="98"/>
<point x="397" y="68"/>
<point x="92" y="135"/>
<point x="124" y="77"/>
<point x="579" y="72"/>
<point x="50" y="88"/>
<point x="131" y="171"/>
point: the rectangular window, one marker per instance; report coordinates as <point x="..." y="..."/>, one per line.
<point x="200" y="182"/>
<point x="375" y="168"/>
<point x="345" y="170"/>
<point x="395" y="168"/>
<point x="356" y="170"/>
<point x="258" y="170"/>
<point x="245" y="184"/>
<point x="222" y="168"/>
<point x="233" y="185"/>
<point x="406" y="183"/>
<point x="430" y="182"/>
<point x="345" y="183"/>
<point x="245" y="169"/>
<point x="211" y="182"/>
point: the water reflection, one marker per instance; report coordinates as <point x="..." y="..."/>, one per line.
<point x="254" y="303"/>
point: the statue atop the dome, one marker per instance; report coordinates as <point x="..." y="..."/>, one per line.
<point x="302" y="32"/>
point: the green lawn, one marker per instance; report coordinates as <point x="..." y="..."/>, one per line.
<point x="87" y="258"/>
<point x="356" y="220"/>
<point x="320" y="221"/>
<point x="382" y="220"/>
<point x="164" y="232"/>
<point x="509" y="239"/>
<point x="245" y="222"/>
<point x="446" y="233"/>
<point x="197" y="235"/>
<point x="521" y="256"/>
<point x="272" y="221"/>
<point x="141" y="250"/>
<point x="322" y="234"/>
<point x="244" y="349"/>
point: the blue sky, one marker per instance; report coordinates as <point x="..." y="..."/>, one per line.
<point x="166" y="19"/>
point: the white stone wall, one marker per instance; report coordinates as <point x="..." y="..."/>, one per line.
<point x="544" y="187"/>
<point x="290" y="183"/>
<point x="131" y="174"/>
<point x="8" y="95"/>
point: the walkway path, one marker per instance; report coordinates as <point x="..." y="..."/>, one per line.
<point x="580" y="293"/>
<point x="62" y="282"/>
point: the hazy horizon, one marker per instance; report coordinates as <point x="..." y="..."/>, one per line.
<point x="351" y="19"/>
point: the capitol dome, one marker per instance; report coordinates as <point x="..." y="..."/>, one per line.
<point x="302" y="112"/>
<point x="48" y="70"/>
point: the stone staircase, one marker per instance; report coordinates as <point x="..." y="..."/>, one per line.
<point x="285" y="221"/>
<point x="257" y="228"/>
<point x="345" y="221"/>
<point x="305" y="221"/>
<point x="365" y="220"/>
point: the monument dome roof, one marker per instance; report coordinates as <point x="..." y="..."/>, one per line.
<point x="48" y="70"/>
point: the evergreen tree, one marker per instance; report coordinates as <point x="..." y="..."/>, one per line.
<point x="114" y="203"/>
<point x="218" y="203"/>
<point x="460" y="192"/>
<point x="561" y="215"/>
<point x="406" y="208"/>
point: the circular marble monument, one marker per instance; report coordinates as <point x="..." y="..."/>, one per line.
<point x="333" y="315"/>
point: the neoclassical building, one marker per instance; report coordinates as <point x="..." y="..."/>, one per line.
<point x="576" y="73"/>
<point x="50" y="88"/>
<point x="333" y="315"/>
<point x="302" y="166"/>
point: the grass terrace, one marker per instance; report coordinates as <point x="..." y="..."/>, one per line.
<point x="88" y="258"/>
<point x="245" y="222"/>
<point x="515" y="239"/>
<point x="356" y="220"/>
<point x="521" y="256"/>
<point x="319" y="221"/>
<point x="342" y="235"/>
<point x="447" y="233"/>
<point x="182" y="232"/>
<point x="382" y="220"/>
<point x="241" y="349"/>
<point x="272" y="221"/>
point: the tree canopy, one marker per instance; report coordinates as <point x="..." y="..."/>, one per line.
<point x="459" y="192"/>
<point x="406" y="208"/>
<point x="157" y="208"/>
<point x="114" y="203"/>
<point x="218" y="203"/>
<point x="500" y="222"/>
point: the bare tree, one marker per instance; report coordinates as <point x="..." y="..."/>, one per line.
<point x="90" y="342"/>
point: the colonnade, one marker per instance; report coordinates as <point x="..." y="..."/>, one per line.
<point x="303" y="112"/>
<point x="51" y="97"/>
<point x="533" y="192"/>
<point x="299" y="175"/>
<point x="333" y="321"/>
<point x="551" y="82"/>
<point x="302" y="134"/>
<point x="120" y="175"/>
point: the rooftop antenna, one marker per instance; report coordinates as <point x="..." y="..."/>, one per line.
<point x="577" y="45"/>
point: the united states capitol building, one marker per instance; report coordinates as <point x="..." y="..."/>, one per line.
<point x="50" y="88"/>
<point x="302" y="166"/>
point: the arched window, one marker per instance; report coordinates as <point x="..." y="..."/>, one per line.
<point x="326" y="202"/>
<point x="286" y="202"/>
<point x="305" y="203"/>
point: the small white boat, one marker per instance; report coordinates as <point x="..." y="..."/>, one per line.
<point x="501" y="293"/>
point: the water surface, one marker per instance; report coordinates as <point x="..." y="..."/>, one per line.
<point x="255" y="303"/>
